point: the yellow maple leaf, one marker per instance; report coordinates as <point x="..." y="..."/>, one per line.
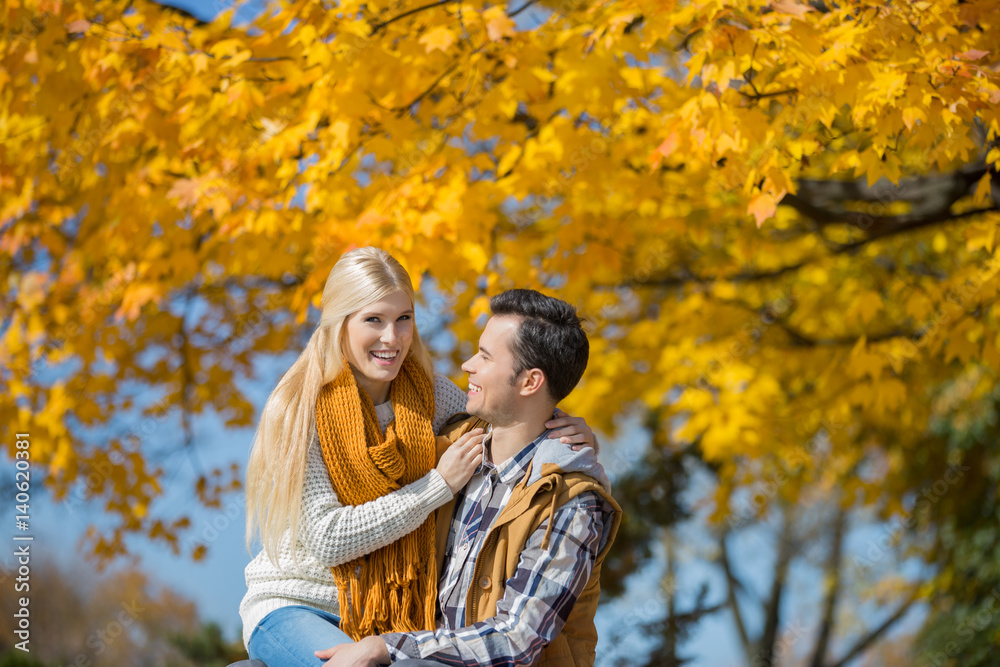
<point x="498" y="24"/>
<point x="983" y="191"/>
<point x="440" y="38"/>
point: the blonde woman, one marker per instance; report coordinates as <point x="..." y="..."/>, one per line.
<point x="342" y="479"/>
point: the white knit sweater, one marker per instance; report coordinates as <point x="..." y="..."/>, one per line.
<point x="331" y="534"/>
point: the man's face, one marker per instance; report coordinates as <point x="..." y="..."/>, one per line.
<point x="492" y="394"/>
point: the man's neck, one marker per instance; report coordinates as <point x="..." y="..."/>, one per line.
<point x="506" y="441"/>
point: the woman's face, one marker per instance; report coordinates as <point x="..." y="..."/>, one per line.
<point x="376" y="341"/>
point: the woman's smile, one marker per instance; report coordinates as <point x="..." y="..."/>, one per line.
<point x="376" y="341"/>
<point x="385" y="357"/>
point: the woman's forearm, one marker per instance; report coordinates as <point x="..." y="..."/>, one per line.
<point x="335" y="534"/>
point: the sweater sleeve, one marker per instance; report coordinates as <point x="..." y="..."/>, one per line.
<point x="448" y="399"/>
<point x="335" y="534"/>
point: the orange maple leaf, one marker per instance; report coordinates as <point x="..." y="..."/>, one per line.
<point x="668" y="146"/>
<point x="790" y="7"/>
<point x="80" y="25"/>
<point x="185" y="191"/>
<point x="762" y="206"/>
<point x="972" y="54"/>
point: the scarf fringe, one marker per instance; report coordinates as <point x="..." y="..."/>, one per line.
<point x="393" y="589"/>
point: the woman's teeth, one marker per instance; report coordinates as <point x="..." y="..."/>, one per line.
<point x="386" y="356"/>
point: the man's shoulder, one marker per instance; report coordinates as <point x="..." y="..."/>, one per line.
<point x="553" y="457"/>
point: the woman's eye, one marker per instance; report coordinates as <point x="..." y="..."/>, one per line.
<point x="403" y="317"/>
<point x="372" y="319"/>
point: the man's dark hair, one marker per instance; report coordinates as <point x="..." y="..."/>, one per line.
<point x="550" y="338"/>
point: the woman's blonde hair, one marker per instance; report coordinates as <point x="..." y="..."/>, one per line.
<point x="287" y="425"/>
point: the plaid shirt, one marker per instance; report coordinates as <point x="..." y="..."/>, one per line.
<point x="537" y="599"/>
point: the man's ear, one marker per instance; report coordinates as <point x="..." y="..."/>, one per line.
<point x="532" y="381"/>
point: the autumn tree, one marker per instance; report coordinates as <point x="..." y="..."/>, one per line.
<point x="121" y="618"/>
<point x="755" y="552"/>
<point x="781" y="217"/>
<point x="964" y="624"/>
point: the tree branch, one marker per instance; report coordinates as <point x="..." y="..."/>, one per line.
<point x="403" y="108"/>
<point x="876" y="226"/>
<point x="732" y="583"/>
<point x="833" y="573"/>
<point x="873" y="636"/>
<point x="929" y="189"/>
<point x="760" y="96"/>
<point x="671" y="626"/>
<point x="890" y="226"/>
<point x="378" y="27"/>
<point x="522" y="8"/>
<point x="893" y="226"/>
<point x="169" y="9"/>
<point x="931" y="199"/>
<point x="772" y="610"/>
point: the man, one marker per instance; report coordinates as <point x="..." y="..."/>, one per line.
<point x="522" y="554"/>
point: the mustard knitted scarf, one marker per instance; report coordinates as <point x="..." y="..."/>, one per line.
<point x="392" y="589"/>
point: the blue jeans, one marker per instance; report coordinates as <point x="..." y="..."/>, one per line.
<point x="287" y="637"/>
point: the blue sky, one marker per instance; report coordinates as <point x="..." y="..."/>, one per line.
<point x="206" y="9"/>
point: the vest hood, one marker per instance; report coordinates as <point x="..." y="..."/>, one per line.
<point x="568" y="460"/>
